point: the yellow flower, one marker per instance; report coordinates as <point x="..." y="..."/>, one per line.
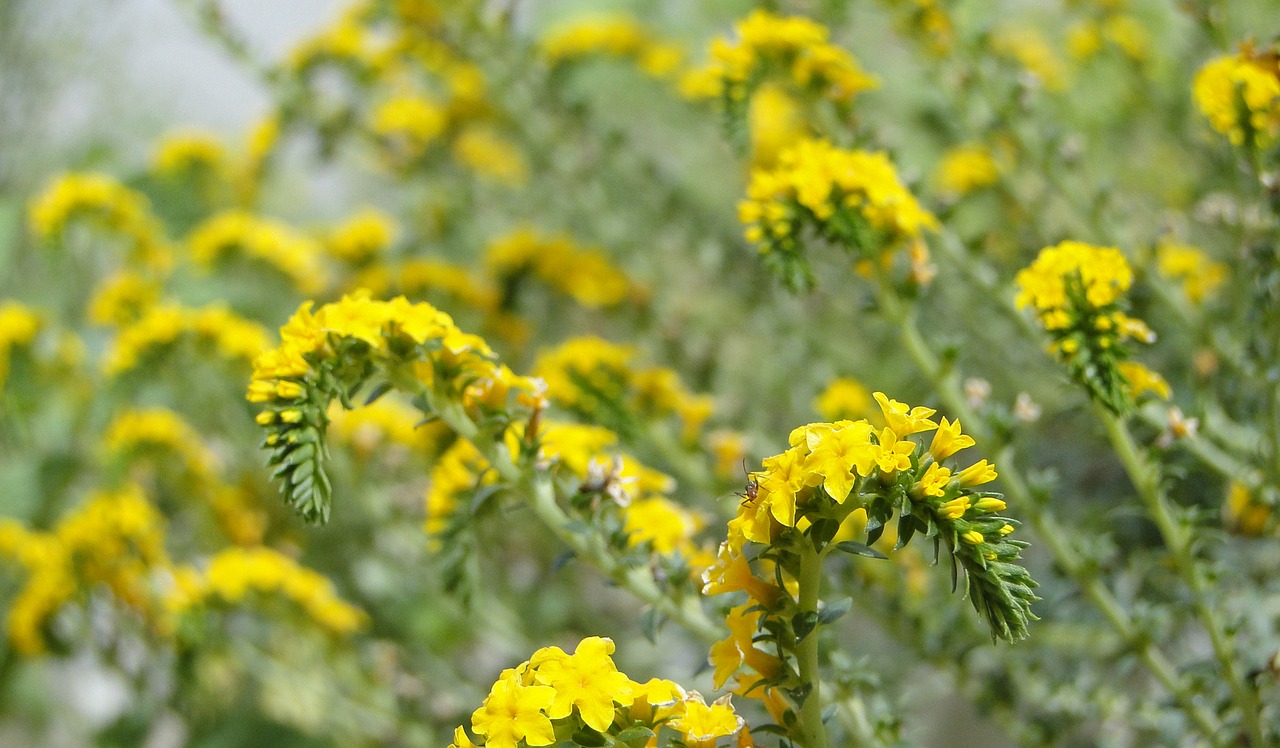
<point x="587" y="681"/>
<point x="187" y="151"/>
<point x="362" y="237"/>
<point x="513" y="712"/>
<point x="702" y="724"/>
<point x="948" y="440"/>
<point x="844" y="398"/>
<point x="409" y="124"/>
<point x="966" y="168"/>
<point x="1142" y="379"/>
<point x="934" y="481"/>
<point x="489" y="155"/>
<point x="976" y="474"/>
<point x="840" y="455"/>
<point x="1200" y="275"/>
<point x="903" y="419"/>
<point x="1240" y="95"/>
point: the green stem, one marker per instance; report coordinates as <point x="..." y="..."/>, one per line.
<point x="813" y="732"/>
<point x="1177" y="538"/>
<point x="539" y="491"/>
<point x="1052" y="534"/>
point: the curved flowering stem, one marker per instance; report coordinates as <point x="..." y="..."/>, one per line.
<point x="1177" y="536"/>
<point x="1052" y="534"/>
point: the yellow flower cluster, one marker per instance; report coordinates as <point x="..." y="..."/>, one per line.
<point x="600" y="381"/>
<point x="848" y="471"/>
<point x="408" y="124"/>
<point x="844" y="399"/>
<point x="298" y="379"/>
<point x="459" y="472"/>
<point x="387" y="421"/>
<point x="122" y="299"/>
<point x="556" y="692"/>
<point x="345" y="42"/>
<point x="160" y="435"/>
<point x="1199" y="274"/>
<point x="586" y="275"/>
<point x="1122" y="30"/>
<point x="231" y="336"/>
<point x="114" y="539"/>
<point x="235" y="574"/>
<point x="187" y="152"/>
<point x="1077" y="290"/>
<point x="616" y="36"/>
<point x="18" y="327"/>
<point x="839" y="456"/>
<point x="481" y="149"/>
<point x="362" y="237"/>
<point x="766" y="42"/>
<point x="852" y="198"/>
<point x="1029" y="48"/>
<point x="966" y="168"/>
<point x="1240" y="95"/>
<point x="268" y="241"/>
<point x="775" y="120"/>
<point x="106" y="203"/>
<point x="1243" y="513"/>
<point x="420" y="277"/>
<point x="159" y="429"/>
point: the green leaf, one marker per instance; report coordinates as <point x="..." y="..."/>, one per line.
<point x="588" y="738"/>
<point x="636" y="732"/>
<point x="803" y="624"/>
<point x="859" y="549"/>
<point x="833" y="611"/>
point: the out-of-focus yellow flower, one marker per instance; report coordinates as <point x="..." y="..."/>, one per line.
<point x="966" y="168"/>
<point x="1032" y="50"/>
<point x="584" y="274"/>
<point x="18" y="327"/>
<point x="1200" y="275"/>
<point x="188" y="152"/>
<point x="362" y="237"/>
<point x="617" y="36"/>
<point x="483" y="151"/>
<point x="272" y="242"/>
<point x="106" y="203"/>
<point x="1240" y="95"/>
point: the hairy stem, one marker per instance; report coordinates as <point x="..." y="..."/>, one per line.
<point x="1177" y="538"/>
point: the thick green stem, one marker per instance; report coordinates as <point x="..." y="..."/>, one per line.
<point x="1177" y="538"/>
<point x="1052" y="534"/>
<point x="813" y="732"/>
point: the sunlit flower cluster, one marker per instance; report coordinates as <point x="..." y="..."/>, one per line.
<point x="600" y="381"/>
<point x="556" y="692"/>
<point x="797" y="47"/>
<point x="1077" y="291"/>
<point x="322" y="354"/>
<point x="853" y="198"/>
<point x="1199" y="274"/>
<point x="240" y="233"/>
<point x="103" y="202"/>
<point x="239" y="576"/>
<point x="230" y="336"/>
<point x="833" y="469"/>
<point x="584" y="274"/>
<point x="616" y="36"/>
<point x="1240" y="95"/>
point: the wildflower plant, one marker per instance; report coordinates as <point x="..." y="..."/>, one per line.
<point x="527" y="366"/>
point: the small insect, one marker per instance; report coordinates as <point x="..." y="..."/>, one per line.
<point x="751" y="491"/>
